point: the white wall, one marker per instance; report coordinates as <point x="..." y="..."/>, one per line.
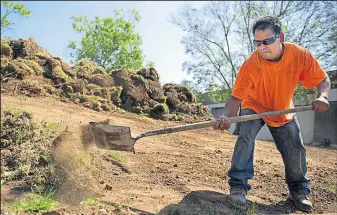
<point x="306" y="120"/>
<point x="333" y="95"/>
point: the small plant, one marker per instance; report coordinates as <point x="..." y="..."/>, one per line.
<point x="35" y="203"/>
<point x="24" y="169"/>
<point x="50" y="126"/>
<point x="90" y="201"/>
<point x="117" y="156"/>
<point x="332" y="190"/>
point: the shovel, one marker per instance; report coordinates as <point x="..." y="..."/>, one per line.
<point x="113" y="137"/>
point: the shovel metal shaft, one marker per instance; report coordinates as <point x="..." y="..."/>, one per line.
<point x="213" y="122"/>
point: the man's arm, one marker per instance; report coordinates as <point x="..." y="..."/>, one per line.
<point x="241" y="88"/>
<point x="323" y="88"/>
<point x="231" y="108"/>
<point x="321" y="102"/>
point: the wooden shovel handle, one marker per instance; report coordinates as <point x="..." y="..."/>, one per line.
<point x="213" y="122"/>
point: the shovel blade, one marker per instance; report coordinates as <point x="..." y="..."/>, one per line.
<point x="112" y="137"/>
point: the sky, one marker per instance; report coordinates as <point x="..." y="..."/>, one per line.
<point x="50" y="25"/>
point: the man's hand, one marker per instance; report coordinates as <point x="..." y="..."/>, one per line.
<point x="223" y="123"/>
<point x="320" y="104"/>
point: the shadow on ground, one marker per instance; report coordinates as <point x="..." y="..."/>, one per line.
<point x="203" y="202"/>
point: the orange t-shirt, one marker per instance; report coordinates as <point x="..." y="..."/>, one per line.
<point x="266" y="86"/>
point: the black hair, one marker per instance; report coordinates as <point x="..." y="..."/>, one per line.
<point x="268" y="22"/>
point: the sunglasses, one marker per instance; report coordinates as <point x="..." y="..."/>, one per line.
<point x="267" y="41"/>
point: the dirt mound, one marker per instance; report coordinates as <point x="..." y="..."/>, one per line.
<point x="28" y="69"/>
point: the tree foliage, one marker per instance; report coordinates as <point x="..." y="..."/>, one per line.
<point x="9" y="8"/>
<point x="109" y="42"/>
<point x="218" y="95"/>
<point x="150" y="64"/>
<point x="219" y="35"/>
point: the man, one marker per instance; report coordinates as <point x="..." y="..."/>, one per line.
<point x="266" y="82"/>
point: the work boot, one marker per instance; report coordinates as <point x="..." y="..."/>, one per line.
<point x="237" y="198"/>
<point x="301" y="202"/>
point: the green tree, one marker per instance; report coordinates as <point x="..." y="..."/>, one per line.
<point x="150" y="64"/>
<point x="219" y="35"/>
<point x="109" y="42"/>
<point x="218" y="95"/>
<point x="8" y="8"/>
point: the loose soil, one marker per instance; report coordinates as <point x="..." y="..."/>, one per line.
<point x="182" y="173"/>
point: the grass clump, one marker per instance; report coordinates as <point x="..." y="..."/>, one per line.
<point x="90" y="201"/>
<point x="34" y="204"/>
<point x="116" y="156"/>
<point x="25" y="150"/>
<point x="332" y="190"/>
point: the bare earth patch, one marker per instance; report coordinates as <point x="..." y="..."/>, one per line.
<point x="183" y="173"/>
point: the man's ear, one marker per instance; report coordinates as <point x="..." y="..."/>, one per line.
<point x="281" y="37"/>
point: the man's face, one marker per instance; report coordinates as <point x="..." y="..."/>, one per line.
<point x="271" y="51"/>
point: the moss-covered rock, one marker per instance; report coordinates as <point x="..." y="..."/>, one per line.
<point x="134" y="91"/>
<point x="159" y="110"/>
<point x="146" y="109"/>
<point x="4" y="63"/>
<point x="95" y="102"/>
<point x="102" y="80"/>
<point x="99" y="70"/>
<point x="6" y="50"/>
<point x="183" y="93"/>
<point x="70" y="71"/>
<point x="84" y="68"/>
<point x="108" y="107"/>
<point x="27" y="48"/>
<point x="21" y="68"/>
<point x="68" y="89"/>
<point x="149" y="73"/>
<point x="137" y="110"/>
<point x="52" y="90"/>
<point x="53" y="70"/>
<point x="77" y="85"/>
<point x="92" y="87"/>
<point x="115" y="95"/>
<point x="31" y="89"/>
<point x="35" y="66"/>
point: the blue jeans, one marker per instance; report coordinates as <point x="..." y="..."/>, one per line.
<point x="288" y="141"/>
